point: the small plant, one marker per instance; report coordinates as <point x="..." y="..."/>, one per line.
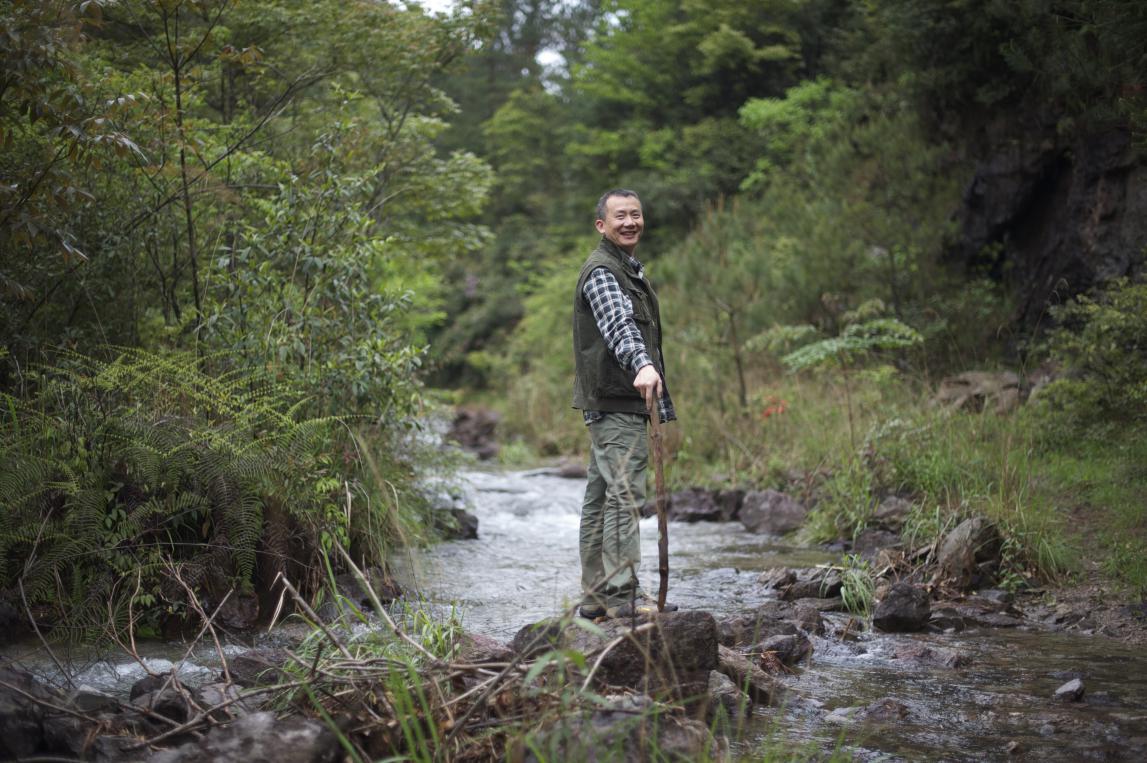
<point x="846" y="350"/>
<point x="858" y="586"/>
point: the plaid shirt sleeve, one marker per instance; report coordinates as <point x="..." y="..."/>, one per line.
<point x="613" y="313"/>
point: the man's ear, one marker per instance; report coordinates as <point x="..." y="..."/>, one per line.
<point x="600" y="225"/>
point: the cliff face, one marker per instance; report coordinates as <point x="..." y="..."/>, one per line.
<point x="1054" y="217"/>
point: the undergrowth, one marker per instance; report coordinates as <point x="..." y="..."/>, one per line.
<point x="117" y="473"/>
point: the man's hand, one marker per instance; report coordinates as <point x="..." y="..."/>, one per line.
<point x="648" y="383"/>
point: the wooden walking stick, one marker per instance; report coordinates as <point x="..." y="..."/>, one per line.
<point x="660" y="502"/>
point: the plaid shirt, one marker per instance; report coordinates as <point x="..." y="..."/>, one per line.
<point x="613" y="313"/>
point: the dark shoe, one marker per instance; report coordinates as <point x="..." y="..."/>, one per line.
<point x="591" y="611"/>
<point x="642" y="605"/>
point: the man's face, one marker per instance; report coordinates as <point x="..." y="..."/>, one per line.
<point x="623" y="222"/>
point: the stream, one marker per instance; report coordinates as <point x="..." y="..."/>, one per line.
<point x="524" y="568"/>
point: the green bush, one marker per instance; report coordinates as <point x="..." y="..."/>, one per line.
<point x="116" y="474"/>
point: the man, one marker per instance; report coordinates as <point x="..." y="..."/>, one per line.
<point x="619" y="379"/>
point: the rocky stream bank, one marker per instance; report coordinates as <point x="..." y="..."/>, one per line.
<point x="762" y="658"/>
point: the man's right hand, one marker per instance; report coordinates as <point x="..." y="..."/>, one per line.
<point x="648" y="383"/>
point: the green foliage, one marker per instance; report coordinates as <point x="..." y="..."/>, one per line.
<point x="855" y="342"/>
<point x="117" y="473"/>
<point x="1101" y="343"/>
<point x="858" y="585"/>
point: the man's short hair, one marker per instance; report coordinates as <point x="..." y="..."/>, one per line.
<point x="609" y="195"/>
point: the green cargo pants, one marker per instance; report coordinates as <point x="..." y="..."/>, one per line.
<point x="615" y="492"/>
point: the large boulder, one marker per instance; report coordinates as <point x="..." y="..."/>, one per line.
<point x="769" y="512"/>
<point x="260" y="738"/>
<point x="976" y="391"/>
<point x="759" y="685"/>
<point x="475" y="429"/>
<point x="673" y="655"/>
<point x="970" y="553"/>
<point x="694" y="504"/>
<point x="22" y="713"/>
<point x="904" y="608"/>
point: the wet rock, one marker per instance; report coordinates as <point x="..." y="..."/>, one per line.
<point x="813" y="583"/>
<point x="973" y="391"/>
<point x="829" y="604"/>
<point x="789" y="649"/>
<point x="622" y="732"/>
<point x="260" y="737"/>
<point x="225" y="698"/>
<point x="475" y="429"/>
<point x="380" y="582"/>
<point x="777" y="577"/>
<point x="904" y="608"/>
<point x="259" y="667"/>
<point x="537" y="638"/>
<point x="694" y="505"/>
<point x="149" y="684"/>
<point x="671" y="653"/>
<point x="997" y="620"/>
<point x="724" y="696"/>
<point x="921" y="654"/>
<point x="456" y="524"/>
<point x="89" y="700"/>
<point x="969" y="553"/>
<point x="477" y="648"/>
<point x="1072" y="691"/>
<point x="21" y="717"/>
<point x="730" y="502"/>
<point x="891" y="513"/>
<point x="169" y="702"/>
<point x="807" y="618"/>
<point x="842" y="716"/>
<point x="748" y="629"/>
<point x="769" y="512"/>
<point x="872" y="541"/>
<point x="571" y="469"/>
<point x="240" y="612"/>
<point x="759" y="685"/>
<point x="885" y="710"/>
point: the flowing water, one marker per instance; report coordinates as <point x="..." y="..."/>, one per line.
<point x="524" y="567"/>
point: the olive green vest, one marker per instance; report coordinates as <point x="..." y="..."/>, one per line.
<point x="600" y="383"/>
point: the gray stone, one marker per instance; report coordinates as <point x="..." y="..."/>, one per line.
<point x="883" y="710"/>
<point x="904" y="608"/>
<point x="259" y="667"/>
<point x="1072" y="691"/>
<point x="769" y="512"/>
<point x="259" y="738"/>
<point x="974" y="391"/>
<point x="456" y="524"/>
<point x="814" y="583"/>
<point x="724" y="696"/>
<point x="891" y="512"/>
<point x="922" y="654"/>
<point x="477" y="648"/>
<point x="872" y="541"/>
<point x="90" y="700"/>
<point x="789" y="649"/>
<point x="673" y="656"/>
<point x="572" y="470"/>
<point x="694" y="504"/>
<point x="759" y="685"/>
<point x="730" y="502"/>
<point x="969" y="552"/>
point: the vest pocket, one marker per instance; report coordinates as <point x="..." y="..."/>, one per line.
<point x="641" y="311"/>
